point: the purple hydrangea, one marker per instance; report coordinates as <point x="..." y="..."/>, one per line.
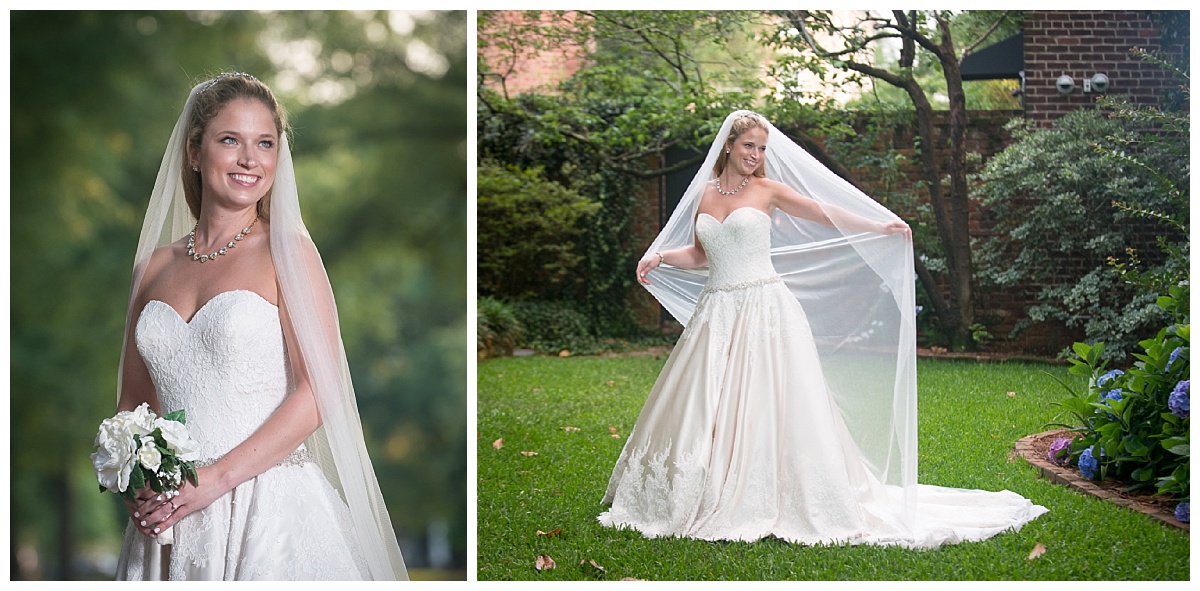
<point x="1088" y="464"/>
<point x="1060" y="444"/>
<point x="1180" y="402"/>
<point x="1108" y="377"/>
<point x="1183" y="512"/>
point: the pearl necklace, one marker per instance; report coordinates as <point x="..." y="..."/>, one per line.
<point x="191" y="247"/>
<point x="739" y="188"/>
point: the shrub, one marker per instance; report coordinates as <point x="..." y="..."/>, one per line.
<point x="1134" y="424"/>
<point x="527" y="234"/>
<point x="497" y="328"/>
<point x="1051" y="194"/>
<point x="555" y="326"/>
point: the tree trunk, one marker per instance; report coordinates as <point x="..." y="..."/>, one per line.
<point x="958" y="248"/>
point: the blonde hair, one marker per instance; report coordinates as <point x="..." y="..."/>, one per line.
<point x="210" y="99"/>
<point x="742" y="124"/>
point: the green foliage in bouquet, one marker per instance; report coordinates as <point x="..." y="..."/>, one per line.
<point x="1134" y="424"/>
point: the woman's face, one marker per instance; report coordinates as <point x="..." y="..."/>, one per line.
<point x="238" y="153"/>
<point x="747" y="151"/>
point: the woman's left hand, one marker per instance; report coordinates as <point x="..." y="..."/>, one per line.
<point x="897" y="227"/>
<point x="158" y="512"/>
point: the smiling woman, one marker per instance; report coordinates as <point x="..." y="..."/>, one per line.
<point x="234" y="323"/>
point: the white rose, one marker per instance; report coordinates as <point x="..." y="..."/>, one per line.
<point x="148" y="455"/>
<point x="139" y="421"/>
<point x="179" y="440"/>
<point x="114" y="456"/>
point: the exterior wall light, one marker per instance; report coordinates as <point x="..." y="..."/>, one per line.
<point x="1098" y="83"/>
<point x="1065" y="84"/>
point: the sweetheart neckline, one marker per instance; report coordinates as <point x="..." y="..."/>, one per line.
<point x="730" y="214"/>
<point x="205" y="304"/>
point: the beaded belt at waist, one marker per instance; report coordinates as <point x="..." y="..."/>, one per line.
<point x="299" y="457"/>
<point x="742" y="285"/>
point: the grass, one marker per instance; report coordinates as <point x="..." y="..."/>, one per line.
<point x="968" y="425"/>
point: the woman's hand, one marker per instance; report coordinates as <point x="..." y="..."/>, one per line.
<point x="648" y="263"/>
<point x="896" y="226"/>
<point x="153" y="512"/>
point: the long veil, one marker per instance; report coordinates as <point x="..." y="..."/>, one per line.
<point x="856" y="288"/>
<point x="338" y="444"/>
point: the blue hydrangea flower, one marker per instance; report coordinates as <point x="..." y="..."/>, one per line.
<point x="1114" y="394"/>
<point x="1173" y="357"/>
<point x="1180" y="402"/>
<point x="1183" y="512"/>
<point x="1108" y="377"/>
<point x="1088" y="464"/>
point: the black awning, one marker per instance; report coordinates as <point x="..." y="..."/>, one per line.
<point x="1004" y="59"/>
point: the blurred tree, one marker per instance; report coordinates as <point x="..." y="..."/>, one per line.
<point x="379" y="106"/>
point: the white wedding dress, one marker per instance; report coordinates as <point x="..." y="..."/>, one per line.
<point x="227" y="367"/>
<point x="739" y="439"/>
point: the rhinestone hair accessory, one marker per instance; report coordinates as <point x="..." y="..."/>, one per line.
<point x="224" y="75"/>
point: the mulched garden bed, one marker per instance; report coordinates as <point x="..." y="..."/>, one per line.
<point x="1034" y="448"/>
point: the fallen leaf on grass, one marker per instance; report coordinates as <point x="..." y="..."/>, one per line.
<point x="1038" y="550"/>
<point x="1012" y="394"/>
<point x="551" y="533"/>
<point x="626" y="578"/>
<point x="569" y="429"/>
<point x="564" y="353"/>
<point x="599" y="569"/>
<point x="543" y="562"/>
<point x="529" y="453"/>
<point x="612" y="432"/>
<point x="499" y="443"/>
<point x="611" y="383"/>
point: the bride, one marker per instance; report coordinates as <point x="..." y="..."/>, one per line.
<point x="788" y="406"/>
<point x="232" y="318"/>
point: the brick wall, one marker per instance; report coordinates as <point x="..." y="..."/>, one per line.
<point x="527" y="70"/>
<point x="1080" y="43"/>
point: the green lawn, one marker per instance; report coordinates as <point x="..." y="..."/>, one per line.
<point x="968" y="425"/>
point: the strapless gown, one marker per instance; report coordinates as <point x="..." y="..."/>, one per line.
<point x="740" y="439"/>
<point x="227" y="368"/>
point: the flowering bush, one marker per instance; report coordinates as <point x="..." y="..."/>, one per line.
<point x="1134" y="424"/>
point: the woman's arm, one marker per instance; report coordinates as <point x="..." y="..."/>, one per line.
<point x="793" y="203"/>
<point x="688" y="257"/>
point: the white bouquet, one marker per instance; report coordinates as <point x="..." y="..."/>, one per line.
<point x="137" y="449"/>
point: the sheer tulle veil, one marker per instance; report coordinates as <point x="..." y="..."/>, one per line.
<point x="856" y="288"/>
<point x="309" y="304"/>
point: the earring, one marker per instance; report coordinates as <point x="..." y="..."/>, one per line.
<point x="726" y="151"/>
<point x="196" y="168"/>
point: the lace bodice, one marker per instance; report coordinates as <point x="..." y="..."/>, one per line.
<point x="226" y="367"/>
<point x="738" y="249"/>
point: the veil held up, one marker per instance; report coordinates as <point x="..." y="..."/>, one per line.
<point x="856" y="288"/>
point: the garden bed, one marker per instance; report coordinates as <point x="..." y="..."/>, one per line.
<point x="1034" y="449"/>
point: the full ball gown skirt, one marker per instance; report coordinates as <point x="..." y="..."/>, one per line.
<point x="227" y="368"/>
<point x="740" y="439"/>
